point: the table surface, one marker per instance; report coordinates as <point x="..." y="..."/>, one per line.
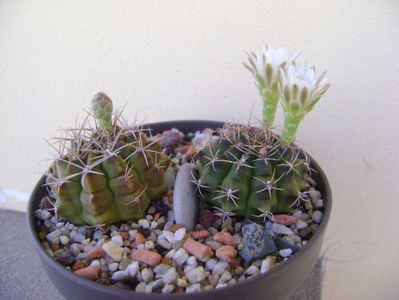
<point x="22" y="276"/>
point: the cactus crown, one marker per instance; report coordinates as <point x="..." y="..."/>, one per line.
<point x="107" y="173"/>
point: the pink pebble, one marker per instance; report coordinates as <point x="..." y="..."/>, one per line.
<point x="201" y="234"/>
<point x="90" y="272"/>
<point x="227" y="253"/>
<point x="96" y="252"/>
<point x="147" y="257"/>
<point x="224" y="238"/>
<point x="199" y="250"/>
<point x="285" y="219"/>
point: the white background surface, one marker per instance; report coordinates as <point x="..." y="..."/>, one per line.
<point x="182" y="60"/>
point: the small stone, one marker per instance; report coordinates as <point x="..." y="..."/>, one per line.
<point x="161" y="269"/>
<point x="42" y="214"/>
<point x="132" y="234"/>
<point x="65" y="258"/>
<point x="285" y="252"/>
<point x="319" y="203"/>
<point x="149" y="245"/>
<point x="170" y="138"/>
<point x="147" y="275"/>
<point x="53" y="235"/>
<point x="113" y="250"/>
<point x="154" y="224"/>
<point x="78" y="265"/>
<point x="220" y="267"/>
<point x="180" y="256"/>
<point x="170" y="276"/>
<point x="64" y="239"/>
<point x="141" y="287"/>
<point x="192" y="261"/>
<point x="257" y="242"/>
<point x="133" y="268"/>
<point x="119" y="275"/>
<point x="196" y="275"/>
<point x="267" y="264"/>
<point x="300" y="224"/>
<point x="285" y="219"/>
<point x="97" y="235"/>
<point x="144" y="223"/>
<point x="199" y="250"/>
<point x="196" y="287"/>
<point x="147" y="257"/>
<point x="140" y="239"/>
<point x="117" y="239"/>
<point x="169" y="236"/>
<point x="78" y="238"/>
<point x="201" y="234"/>
<point x="252" y="270"/>
<point x="281" y="229"/>
<point x="113" y="267"/>
<point x="213" y="244"/>
<point x="210" y="263"/>
<point x="227" y="253"/>
<point x="317" y="216"/>
<point x="226" y="276"/>
<point x="224" y="238"/>
<point x="185" y="203"/>
<point x="96" y="252"/>
<point x="167" y="261"/>
<point x="164" y="243"/>
<point x="171" y="253"/>
<point x="238" y="270"/>
<point x="90" y="272"/>
<point x="174" y="227"/>
<point x="220" y="285"/>
<point x="285" y="243"/>
<point x="181" y="282"/>
<point x="180" y="233"/>
<point x="168" y="288"/>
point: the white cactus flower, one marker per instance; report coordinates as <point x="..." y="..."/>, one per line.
<point x="302" y="88"/>
<point x="266" y="64"/>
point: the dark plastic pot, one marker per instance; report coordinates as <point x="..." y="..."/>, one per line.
<point x="276" y="284"/>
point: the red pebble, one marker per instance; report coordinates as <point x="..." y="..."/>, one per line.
<point x="285" y="219"/>
<point x="78" y="265"/>
<point x="201" y="234"/>
<point x="96" y="252"/>
<point x="147" y="257"/>
<point x="125" y="235"/>
<point x="227" y="253"/>
<point x="199" y="250"/>
<point x="90" y="272"/>
<point x="224" y="238"/>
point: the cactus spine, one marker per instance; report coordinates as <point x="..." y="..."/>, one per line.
<point x="106" y="174"/>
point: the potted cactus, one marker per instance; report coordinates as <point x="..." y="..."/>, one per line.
<point x="186" y="209"/>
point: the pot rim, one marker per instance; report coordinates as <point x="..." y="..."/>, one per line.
<point x="274" y="272"/>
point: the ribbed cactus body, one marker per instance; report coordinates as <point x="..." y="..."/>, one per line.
<point x="110" y="176"/>
<point x="245" y="171"/>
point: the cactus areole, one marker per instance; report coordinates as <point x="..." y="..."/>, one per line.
<point x="106" y="173"/>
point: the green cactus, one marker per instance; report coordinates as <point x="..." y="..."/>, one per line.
<point x="251" y="171"/>
<point x="245" y="171"/>
<point x="107" y="174"/>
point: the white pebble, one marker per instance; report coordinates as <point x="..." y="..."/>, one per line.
<point x="169" y="236"/>
<point x="196" y="275"/>
<point x="300" y="224"/>
<point x="192" y="261"/>
<point x="119" y="275"/>
<point x="149" y="245"/>
<point x="179" y="234"/>
<point x="147" y="275"/>
<point x="144" y="223"/>
<point x="226" y="276"/>
<point x="54" y="234"/>
<point x="171" y="253"/>
<point x="168" y="288"/>
<point x="133" y="268"/>
<point x="170" y="276"/>
<point x="285" y="252"/>
<point x="297" y="213"/>
<point x="181" y="282"/>
<point x="281" y="229"/>
<point x="141" y="287"/>
<point x="210" y="263"/>
<point x="267" y="264"/>
<point x="161" y="269"/>
<point x="42" y="214"/>
<point x="196" y="287"/>
<point x="132" y="234"/>
<point x="318" y="203"/>
<point x="252" y="270"/>
<point x="154" y="224"/>
<point x="113" y="267"/>
<point x="164" y="243"/>
<point x="64" y="239"/>
<point x="117" y="239"/>
<point x="220" y="285"/>
<point x="220" y="267"/>
<point x="180" y="256"/>
<point x="317" y="216"/>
